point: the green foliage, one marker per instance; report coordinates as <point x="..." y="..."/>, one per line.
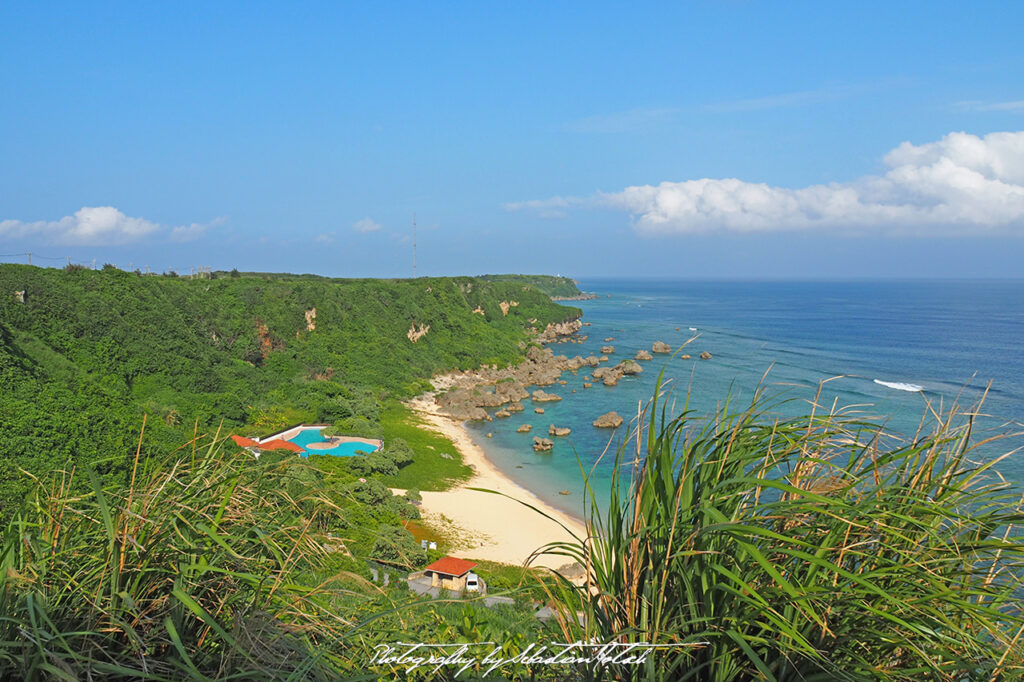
<point x="89" y="351"/>
<point x="561" y="287"/>
<point x="807" y="549"/>
<point x="396" y="546"/>
<point x="199" y="567"/>
<point x="436" y="464"/>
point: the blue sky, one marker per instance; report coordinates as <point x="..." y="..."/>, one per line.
<point x="703" y="139"/>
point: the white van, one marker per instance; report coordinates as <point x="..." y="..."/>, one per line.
<point x="472" y="582"/>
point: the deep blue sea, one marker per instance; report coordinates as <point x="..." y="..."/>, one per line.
<point x="948" y="338"/>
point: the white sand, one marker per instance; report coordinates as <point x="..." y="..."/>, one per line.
<point x="501" y="529"/>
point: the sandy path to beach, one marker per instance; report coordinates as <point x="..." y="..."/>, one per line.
<point x="499" y="528"/>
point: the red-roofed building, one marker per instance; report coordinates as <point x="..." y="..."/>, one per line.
<point x="275" y="444"/>
<point x="244" y="442"/>
<point x="449" y="573"/>
<point x="279" y="444"/>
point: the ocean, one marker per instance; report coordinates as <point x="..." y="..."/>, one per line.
<point x="898" y="346"/>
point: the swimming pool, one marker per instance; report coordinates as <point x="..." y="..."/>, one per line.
<point x="312" y="435"/>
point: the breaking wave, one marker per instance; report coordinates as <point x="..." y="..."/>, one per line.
<point x="900" y="386"/>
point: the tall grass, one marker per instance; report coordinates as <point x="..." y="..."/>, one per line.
<point x="203" y="566"/>
<point x="815" y="548"/>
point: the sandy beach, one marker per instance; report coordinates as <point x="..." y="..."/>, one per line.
<point x="499" y="528"/>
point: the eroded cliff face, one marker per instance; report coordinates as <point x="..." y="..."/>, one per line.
<point x="417" y="332"/>
<point x="558" y="329"/>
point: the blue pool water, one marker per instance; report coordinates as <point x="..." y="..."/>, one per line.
<point x="307" y="436"/>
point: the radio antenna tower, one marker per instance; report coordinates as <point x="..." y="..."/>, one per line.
<point x="414" y="246"/>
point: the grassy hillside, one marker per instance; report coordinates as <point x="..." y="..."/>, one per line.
<point x="89" y="352"/>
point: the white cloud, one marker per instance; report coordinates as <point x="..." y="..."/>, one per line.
<point x="98" y="226"/>
<point x="977" y="105"/>
<point x="190" y="233"/>
<point x="324" y="238"/>
<point x="366" y="225"/>
<point x="962" y="183"/>
<point x="555" y="207"/>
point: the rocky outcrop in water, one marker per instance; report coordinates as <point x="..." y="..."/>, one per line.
<point x="525" y="428"/>
<point x="661" y="347"/>
<point x="610" y="376"/>
<point x="556" y="431"/>
<point x="705" y="355"/>
<point x="607" y="350"/>
<point x="558" y="329"/>
<point x="542" y="444"/>
<point x="643" y="355"/>
<point x="609" y="420"/>
<point x="468" y="395"/>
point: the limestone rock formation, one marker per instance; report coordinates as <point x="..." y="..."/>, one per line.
<point x="525" y="428"/>
<point x="607" y="350"/>
<point x="542" y="444"/>
<point x="705" y="355"/>
<point x="540" y="396"/>
<point x="417" y="332"/>
<point x="643" y="355"/>
<point x="556" y="431"/>
<point x="629" y="367"/>
<point x="609" y="420"/>
<point x="661" y="347"/>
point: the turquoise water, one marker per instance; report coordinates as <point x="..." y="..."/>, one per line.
<point x="307" y="436"/>
<point x="947" y="338"/>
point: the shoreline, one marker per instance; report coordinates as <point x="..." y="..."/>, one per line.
<point x="501" y="529"/>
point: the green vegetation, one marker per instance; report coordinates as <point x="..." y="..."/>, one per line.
<point x="561" y="287"/>
<point x="212" y="565"/>
<point x="437" y="466"/>
<point x="138" y="542"/>
<point x="89" y="352"/>
<point x="808" y="549"/>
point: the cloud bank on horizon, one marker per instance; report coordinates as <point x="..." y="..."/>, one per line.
<point x="99" y="226"/>
<point x="960" y="184"/>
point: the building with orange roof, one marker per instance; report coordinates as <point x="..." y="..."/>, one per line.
<point x="449" y="572"/>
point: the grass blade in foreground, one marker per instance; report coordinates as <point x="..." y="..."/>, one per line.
<point x="817" y="548"/>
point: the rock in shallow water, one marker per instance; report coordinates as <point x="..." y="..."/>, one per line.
<point x="609" y="420"/>
<point x="542" y="444"/>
